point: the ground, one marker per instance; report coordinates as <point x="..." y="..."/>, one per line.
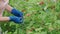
<point x="40" y="17"/>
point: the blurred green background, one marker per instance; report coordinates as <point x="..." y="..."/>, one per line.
<point x="40" y="17"/>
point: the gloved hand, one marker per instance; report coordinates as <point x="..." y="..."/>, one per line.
<point x="16" y="19"/>
<point x="17" y="13"/>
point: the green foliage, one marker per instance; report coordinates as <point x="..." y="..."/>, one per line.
<point x="38" y="18"/>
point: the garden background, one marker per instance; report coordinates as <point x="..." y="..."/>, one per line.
<point x="40" y="17"/>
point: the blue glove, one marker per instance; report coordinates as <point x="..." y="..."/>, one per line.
<point x="17" y="13"/>
<point x="16" y="19"/>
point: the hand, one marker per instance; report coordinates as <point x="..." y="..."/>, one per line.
<point x="16" y="19"/>
<point x="17" y="13"/>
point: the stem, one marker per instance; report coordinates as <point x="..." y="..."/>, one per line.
<point x="18" y="29"/>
